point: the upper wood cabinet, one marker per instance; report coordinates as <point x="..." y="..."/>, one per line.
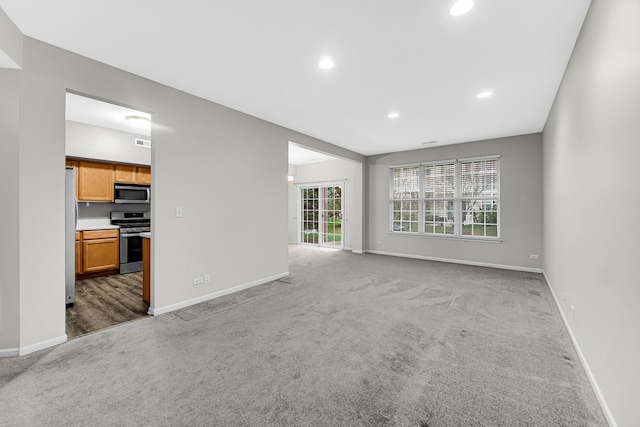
<point x="143" y="175"/>
<point x="130" y="174"/>
<point x="95" y="181"/>
<point x="126" y="174"/>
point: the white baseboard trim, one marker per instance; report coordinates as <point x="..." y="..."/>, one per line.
<point x="203" y="298"/>
<point x="458" y="261"/>
<point x="9" y="352"/>
<point x="592" y="379"/>
<point x="32" y="348"/>
<point x="355" y="251"/>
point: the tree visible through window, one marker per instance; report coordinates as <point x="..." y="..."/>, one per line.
<point x="405" y="198"/>
<point x="454" y="198"/>
<point x="480" y="198"/>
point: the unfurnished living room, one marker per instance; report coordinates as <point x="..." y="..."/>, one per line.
<point x="362" y="213"/>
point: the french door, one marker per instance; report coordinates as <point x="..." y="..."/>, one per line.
<point x="321" y="215"/>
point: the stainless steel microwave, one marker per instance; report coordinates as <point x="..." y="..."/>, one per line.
<point x="130" y="193"/>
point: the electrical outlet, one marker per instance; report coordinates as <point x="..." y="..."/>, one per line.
<point x="179" y="213"/>
<point x="198" y="281"/>
<point x="207" y="278"/>
<point x="564" y="298"/>
<point x="573" y="311"/>
<point x="532" y="256"/>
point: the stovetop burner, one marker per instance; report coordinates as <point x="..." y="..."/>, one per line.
<point x="132" y="222"/>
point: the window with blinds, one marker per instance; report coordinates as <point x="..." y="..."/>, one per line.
<point x="405" y="199"/>
<point x="449" y="198"/>
<point x="480" y="198"/>
<point x="439" y="198"/>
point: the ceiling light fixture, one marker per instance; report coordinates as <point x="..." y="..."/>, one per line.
<point x="461" y="7"/>
<point x="393" y="115"/>
<point x="139" y="122"/>
<point x="326" y="63"/>
<point x="485" y="94"/>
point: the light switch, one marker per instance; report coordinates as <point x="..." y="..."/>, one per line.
<point x="178" y="212"/>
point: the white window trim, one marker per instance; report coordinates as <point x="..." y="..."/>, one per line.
<point x="457" y="202"/>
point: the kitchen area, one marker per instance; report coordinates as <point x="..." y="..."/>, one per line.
<point x="108" y="214"/>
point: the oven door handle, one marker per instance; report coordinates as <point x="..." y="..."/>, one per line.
<point x="130" y="235"/>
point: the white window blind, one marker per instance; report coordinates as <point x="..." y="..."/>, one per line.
<point x="449" y="198"/>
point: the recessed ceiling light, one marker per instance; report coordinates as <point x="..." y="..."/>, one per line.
<point x="461" y="7"/>
<point x="393" y="115"/>
<point x="485" y="94"/>
<point x="139" y="122"/>
<point x="326" y="63"/>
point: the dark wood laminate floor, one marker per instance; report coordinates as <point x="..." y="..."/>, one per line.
<point x="105" y="301"/>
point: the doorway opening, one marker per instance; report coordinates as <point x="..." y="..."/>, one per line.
<point x="321" y="215"/>
<point x="108" y="214"/>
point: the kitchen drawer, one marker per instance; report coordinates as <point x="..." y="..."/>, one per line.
<point x="99" y="234"/>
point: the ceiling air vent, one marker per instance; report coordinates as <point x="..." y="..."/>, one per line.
<point x="142" y="143"/>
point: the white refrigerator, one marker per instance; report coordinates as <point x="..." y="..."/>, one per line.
<point x="71" y="219"/>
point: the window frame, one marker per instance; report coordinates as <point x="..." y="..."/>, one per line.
<point x="458" y="201"/>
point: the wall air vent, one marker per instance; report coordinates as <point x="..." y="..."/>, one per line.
<point x="142" y="143"/>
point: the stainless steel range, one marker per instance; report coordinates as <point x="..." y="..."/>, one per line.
<point x="131" y="225"/>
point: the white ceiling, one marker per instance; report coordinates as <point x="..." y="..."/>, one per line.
<point x="409" y="56"/>
<point x="98" y="113"/>
<point x="299" y="155"/>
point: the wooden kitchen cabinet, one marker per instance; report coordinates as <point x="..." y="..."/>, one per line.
<point x="95" y="181"/>
<point x="146" y="269"/>
<point x="100" y="250"/>
<point x="126" y="174"/>
<point x="130" y="174"/>
<point x="143" y="175"/>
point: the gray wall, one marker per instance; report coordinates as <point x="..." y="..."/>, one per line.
<point x="10" y="42"/>
<point x="521" y="205"/>
<point x="220" y="165"/>
<point x="337" y="170"/>
<point x="591" y="149"/>
<point x="95" y="142"/>
<point x="41" y="183"/>
<point x="9" y="218"/>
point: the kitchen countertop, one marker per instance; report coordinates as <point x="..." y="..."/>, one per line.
<point x="146" y="234"/>
<point x="96" y="227"/>
<point x="95" y="224"/>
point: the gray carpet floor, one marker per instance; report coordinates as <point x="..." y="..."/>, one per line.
<point x="346" y="340"/>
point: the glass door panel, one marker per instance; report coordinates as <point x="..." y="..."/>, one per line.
<point x="321" y="216"/>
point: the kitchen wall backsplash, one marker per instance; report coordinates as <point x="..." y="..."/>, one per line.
<point x="98" y="210"/>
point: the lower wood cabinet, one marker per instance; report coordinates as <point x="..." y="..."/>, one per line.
<point x="99" y="251"/>
<point x="146" y="270"/>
